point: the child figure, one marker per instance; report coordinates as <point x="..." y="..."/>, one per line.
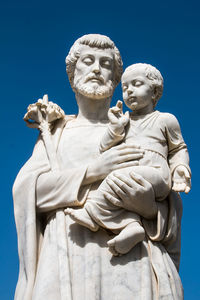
<point x="165" y="163"/>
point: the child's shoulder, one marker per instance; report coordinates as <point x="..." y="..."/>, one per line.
<point x="168" y="119"/>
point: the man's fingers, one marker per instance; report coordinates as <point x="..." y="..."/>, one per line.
<point x="127" y="164"/>
<point x="139" y="179"/>
<point x="112" y="199"/>
<point x="128" y="157"/>
<point x="130" y="146"/>
<point x="122" y="187"/>
<point x="117" y="186"/>
<point x="123" y="178"/>
<point x="130" y="151"/>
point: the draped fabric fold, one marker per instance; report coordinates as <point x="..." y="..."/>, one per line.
<point x="84" y="265"/>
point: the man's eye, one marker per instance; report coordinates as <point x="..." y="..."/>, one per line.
<point x="106" y="63"/>
<point x="88" y="60"/>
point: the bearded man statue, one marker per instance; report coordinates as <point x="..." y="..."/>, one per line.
<point x="60" y="259"/>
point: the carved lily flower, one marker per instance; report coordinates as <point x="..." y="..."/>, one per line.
<point x="54" y="112"/>
<point x="43" y="111"/>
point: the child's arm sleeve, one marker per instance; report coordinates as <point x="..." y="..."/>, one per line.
<point x="177" y="149"/>
<point x="110" y="139"/>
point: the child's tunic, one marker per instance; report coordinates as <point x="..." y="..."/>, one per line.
<point x="160" y="136"/>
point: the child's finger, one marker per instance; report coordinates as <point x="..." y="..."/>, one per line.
<point x="115" y="109"/>
<point x="119" y="104"/>
<point x="187" y="189"/>
<point x="179" y="187"/>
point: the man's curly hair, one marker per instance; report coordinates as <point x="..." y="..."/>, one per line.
<point x="94" y="41"/>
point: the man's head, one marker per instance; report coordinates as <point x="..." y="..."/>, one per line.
<point x="94" y="66"/>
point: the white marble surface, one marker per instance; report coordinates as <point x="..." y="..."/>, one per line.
<point x="61" y="259"/>
<point x="164" y="154"/>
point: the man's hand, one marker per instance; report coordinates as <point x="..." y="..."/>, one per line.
<point x="117" y="119"/>
<point x="117" y="157"/>
<point x="133" y="193"/>
<point x="181" y="179"/>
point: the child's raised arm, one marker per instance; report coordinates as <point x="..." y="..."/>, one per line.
<point x="116" y="128"/>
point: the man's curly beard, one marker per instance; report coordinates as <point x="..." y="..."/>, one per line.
<point x="95" y="90"/>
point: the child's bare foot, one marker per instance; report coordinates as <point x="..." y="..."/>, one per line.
<point x="82" y="217"/>
<point x="130" y="236"/>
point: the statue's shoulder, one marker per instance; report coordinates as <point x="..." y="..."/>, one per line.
<point x="168" y="119"/>
<point x="60" y="123"/>
<point x="69" y="117"/>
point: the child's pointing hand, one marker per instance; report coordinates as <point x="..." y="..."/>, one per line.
<point x="117" y="119"/>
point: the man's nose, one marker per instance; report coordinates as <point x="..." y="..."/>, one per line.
<point x="96" y="68"/>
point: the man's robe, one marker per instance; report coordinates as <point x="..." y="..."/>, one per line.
<point x="61" y="260"/>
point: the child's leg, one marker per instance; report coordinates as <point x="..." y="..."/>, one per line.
<point x="127" y="239"/>
<point x="131" y="234"/>
<point x="99" y="210"/>
<point x="95" y="210"/>
<point x="82" y="217"/>
<point x="117" y="219"/>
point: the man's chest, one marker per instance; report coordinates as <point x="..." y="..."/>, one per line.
<point x="80" y="145"/>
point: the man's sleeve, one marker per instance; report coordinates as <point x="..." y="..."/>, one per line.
<point x="58" y="189"/>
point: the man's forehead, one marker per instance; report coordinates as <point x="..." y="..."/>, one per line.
<point x="87" y="50"/>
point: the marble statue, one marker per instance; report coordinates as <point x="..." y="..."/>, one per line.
<point x="165" y="153"/>
<point x="96" y="206"/>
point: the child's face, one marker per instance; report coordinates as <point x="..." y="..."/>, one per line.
<point x="137" y="91"/>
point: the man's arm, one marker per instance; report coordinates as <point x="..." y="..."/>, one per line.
<point x="59" y="189"/>
<point x="69" y="187"/>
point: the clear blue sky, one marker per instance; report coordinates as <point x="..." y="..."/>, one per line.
<point x="35" y="38"/>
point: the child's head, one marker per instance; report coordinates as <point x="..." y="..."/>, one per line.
<point x="142" y="85"/>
